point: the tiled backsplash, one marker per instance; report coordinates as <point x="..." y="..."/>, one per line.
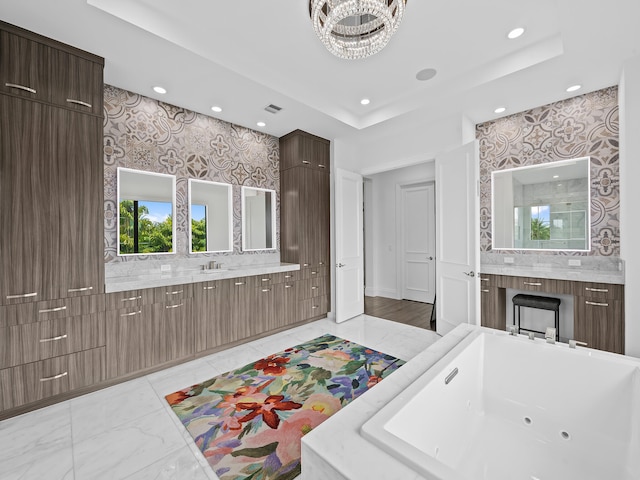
<point x="145" y="134"/>
<point x="586" y="125"/>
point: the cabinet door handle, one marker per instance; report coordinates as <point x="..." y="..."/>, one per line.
<point x="304" y="162"/>
<point x="321" y="166"/>
<point x="55" y="377"/>
<point x="56" y="309"/>
<point x="314" y="273"/>
<point x="176" y="292"/>
<point x="602" y="290"/>
<point x="314" y="288"/>
<point x="266" y="279"/>
<point x="82" y="289"/>
<point x="209" y="288"/>
<point x="238" y="284"/>
<point x="305" y="264"/>
<point x="53" y="339"/>
<point x="533" y="284"/>
<point x="131" y="314"/>
<point x="266" y="290"/>
<point x="288" y="286"/>
<point x="597" y="304"/>
<point x="484" y="279"/>
<point x="79" y="102"/>
<point x="131" y="299"/>
<point x="484" y="291"/>
<point x="314" y="307"/>
<point x="288" y="276"/>
<point x="24" y="295"/>
<point x="174" y="306"/>
<point x="20" y="87"/>
<point x="320" y="263"/>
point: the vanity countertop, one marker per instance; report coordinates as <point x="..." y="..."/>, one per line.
<point x="557" y="273"/>
<point x="181" y="277"/>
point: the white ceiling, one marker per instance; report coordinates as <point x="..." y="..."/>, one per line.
<point x="246" y="54"/>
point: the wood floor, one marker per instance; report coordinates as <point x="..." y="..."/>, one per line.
<point x="402" y="311"/>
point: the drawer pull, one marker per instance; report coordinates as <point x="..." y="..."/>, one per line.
<point x="533" y="284"/>
<point x="314" y="288"/>
<point x="288" y="286"/>
<point x="305" y="264"/>
<point x="320" y="263"/>
<point x="304" y="162"/>
<point x="484" y="279"/>
<point x="484" y="291"/>
<point x="56" y="309"/>
<point x="21" y="87"/>
<point x="131" y="314"/>
<point x="238" y="284"/>
<point x="288" y="276"/>
<point x="209" y="288"/>
<point x="131" y="299"/>
<point x="596" y="304"/>
<point x="314" y="307"/>
<point x="83" y="289"/>
<point x="266" y="289"/>
<point x="266" y="279"/>
<point x="314" y="273"/>
<point x="176" y="292"/>
<point x="174" y="306"/>
<point x="55" y="377"/>
<point x="79" y="102"/>
<point x="54" y="339"/>
<point x="601" y="290"/>
<point x="321" y="166"/>
<point x="24" y="295"/>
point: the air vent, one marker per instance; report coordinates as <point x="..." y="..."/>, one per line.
<point x="272" y="108"/>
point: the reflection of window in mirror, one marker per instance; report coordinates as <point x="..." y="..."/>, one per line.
<point x="258" y="219"/>
<point x="211" y="217"/>
<point x="146" y="206"/>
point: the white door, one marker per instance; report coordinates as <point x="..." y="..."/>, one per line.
<point x="349" y="245"/>
<point x="417" y="216"/>
<point x="458" y="240"/>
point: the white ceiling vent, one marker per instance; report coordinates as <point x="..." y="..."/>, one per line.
<point x="272" y="108"/>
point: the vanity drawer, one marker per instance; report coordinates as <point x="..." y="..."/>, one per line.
<point x="598" y="290"/>
<point x="129" y="298"/>
<point x="534" y="284"/>
<point x="489" y="280"/>
<point x="312" y="287"/>
<point x="314" y="272"/>
<point x="34" y="381"/>
<point x="312" y="307"/>
<point x="172" y="294"/>
<point x="50" y="338"/>
<point x="291" y="276"/>
<point x="20" y="314"/>
<point x="264" y="280"/>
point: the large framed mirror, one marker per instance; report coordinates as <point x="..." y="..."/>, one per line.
<point x="210" y="217"/>
<point x="146" y="209"/>
<point x="542" y="207"/>
<point x="258" y="219"/>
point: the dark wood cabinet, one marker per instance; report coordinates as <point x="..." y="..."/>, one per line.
<point x="76" y="83"/>
<point x="212" y="315"/>
<point x="24" y="66"/>
<point x="304" y="211"/>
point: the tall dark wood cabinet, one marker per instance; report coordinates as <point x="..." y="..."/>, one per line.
<point x="305" y="218"/>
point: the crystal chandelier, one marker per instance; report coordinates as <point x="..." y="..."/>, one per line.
<point x="354" y="29"/>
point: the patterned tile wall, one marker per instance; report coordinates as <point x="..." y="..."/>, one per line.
<point x="145" y="134"/>
<point x="586" y="125"/>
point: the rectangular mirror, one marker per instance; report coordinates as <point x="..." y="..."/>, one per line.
<point x="258" y="219"/>
<point x="542" y="207"/>
<point x="146" y="202"/>
<point x="210" y="216"/>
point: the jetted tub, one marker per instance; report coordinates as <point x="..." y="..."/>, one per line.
<point x="499" y="407"/>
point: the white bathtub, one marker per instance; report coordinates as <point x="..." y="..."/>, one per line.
<point x="517" y="409"/>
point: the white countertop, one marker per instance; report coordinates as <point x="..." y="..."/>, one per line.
<point x="553" y="272"/>
<point x="181" y="277"/>
<point x="336" y="450"/>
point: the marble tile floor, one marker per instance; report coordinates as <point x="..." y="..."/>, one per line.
<point x="129" y="432"/>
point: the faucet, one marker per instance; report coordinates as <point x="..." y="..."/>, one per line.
<point x="550" y="335"/>
<point x="512" y="329"/>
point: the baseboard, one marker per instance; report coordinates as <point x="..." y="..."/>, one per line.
<point x="382" y="292"/>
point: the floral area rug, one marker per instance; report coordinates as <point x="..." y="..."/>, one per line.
<point x="248" y="423"/>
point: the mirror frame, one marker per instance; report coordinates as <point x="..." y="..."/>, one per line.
<point x="273" y="219"/>
<point x="173" y="210"/>
<point x="229" y="188"/>
<point x="542" y="165"/>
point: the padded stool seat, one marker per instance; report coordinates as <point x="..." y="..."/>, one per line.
<point x="542" y="303"/>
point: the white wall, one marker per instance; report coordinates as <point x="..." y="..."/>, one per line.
<point x="381" y="229"/>
<point x="629" y="99"/>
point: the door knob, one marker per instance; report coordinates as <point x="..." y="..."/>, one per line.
<point x="429" y="258"/>
<point x="340" y="265"/>
<point x="470" y="274"/>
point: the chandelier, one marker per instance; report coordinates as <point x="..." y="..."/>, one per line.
<point x="355" y="29"/>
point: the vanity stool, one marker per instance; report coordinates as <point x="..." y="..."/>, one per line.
<point x="535" y="301"/>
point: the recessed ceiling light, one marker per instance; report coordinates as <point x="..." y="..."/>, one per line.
<point x="426" y="74"/>
<point x="216" y="109"/>
<point x="515" y="33"/>
<point x="500" y="109"/>
<point x="261" y="124"/>
<point x="160" y="90"/>
<point x="574" y="88"/>
<point x="365" y="101"/>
